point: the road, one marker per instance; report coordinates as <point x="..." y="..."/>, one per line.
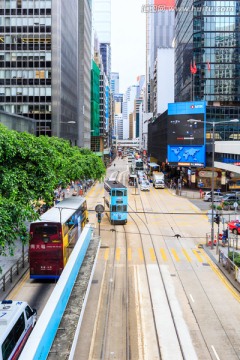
<point x="155" y="294"/>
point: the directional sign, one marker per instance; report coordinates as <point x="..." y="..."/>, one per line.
<point x="99" y="208"/>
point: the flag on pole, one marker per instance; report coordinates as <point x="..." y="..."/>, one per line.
<point x="193" y="67"/>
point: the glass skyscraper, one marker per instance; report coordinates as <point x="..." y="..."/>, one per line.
<point x="208" y="36"/>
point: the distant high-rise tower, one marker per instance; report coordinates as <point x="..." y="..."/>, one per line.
<point x="159" y="35"/>
<point x="102" y="20"/>
<point x="115" y="82"/>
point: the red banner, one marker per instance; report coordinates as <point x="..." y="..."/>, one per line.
<point x="165" y="4"/>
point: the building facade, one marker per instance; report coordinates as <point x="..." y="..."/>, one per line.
<point x="207" y="67"/>
<point x="208" y="39"/>
<point x="102" y="20"/>
<point x="115" y="82"/>
<point x="40" y="75"/>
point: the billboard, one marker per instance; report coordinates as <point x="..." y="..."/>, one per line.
<point x="186" y="139"/>
<point x="183" y="132"/>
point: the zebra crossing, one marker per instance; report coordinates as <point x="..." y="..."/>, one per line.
<point x="164" y="255"/>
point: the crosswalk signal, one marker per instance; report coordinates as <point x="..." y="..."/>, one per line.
<point x="99" y="217"/>
<point x="217" y="219"/>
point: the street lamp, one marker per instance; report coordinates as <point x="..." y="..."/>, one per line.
<point x="213" y="123"/>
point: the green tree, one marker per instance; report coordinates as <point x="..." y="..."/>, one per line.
<point x="30" y="169"/>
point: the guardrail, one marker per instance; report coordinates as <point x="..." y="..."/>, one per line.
<point x="229" y="266"/>
<point x="14" y="271"/>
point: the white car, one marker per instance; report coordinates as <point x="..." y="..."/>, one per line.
<point x="217" y="196"/>
<point x="145" y="185"/>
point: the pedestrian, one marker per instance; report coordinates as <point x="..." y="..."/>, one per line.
<point x="63" y="194"/>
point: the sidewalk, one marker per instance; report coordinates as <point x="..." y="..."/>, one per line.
<point x="215" y="258"/>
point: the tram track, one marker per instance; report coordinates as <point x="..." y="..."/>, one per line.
<point x="159" y="345"/>
<point x="116" y="297"/>
<point x="180" y="240"/>
<point x="181" y="344"/>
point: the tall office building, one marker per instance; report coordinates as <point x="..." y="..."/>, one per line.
<point x="211" y="46"/>
<point x="84" y="72"/>
<point x="159" y="35"/>
<point x="102" y="27"/>
<point x="40" y="77"/>
<point x="115" y="82"/>
<point x="105" y="50"/>
<point x="102" y="20"/>
<point x="207" y="58"/>
<point x="128" y="108"/>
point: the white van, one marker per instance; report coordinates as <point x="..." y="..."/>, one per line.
<point x="17" y="320"/>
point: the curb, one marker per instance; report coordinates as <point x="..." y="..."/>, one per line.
<point x="228" y="276"/>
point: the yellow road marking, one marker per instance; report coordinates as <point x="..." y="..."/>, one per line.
<point x="117" y="254"/>
<point x="140" y="254"/>
<point x="152" y="254"/>
<point x="221" y="276"/>
<point x="129" y="254"/>
<point x="163" y="253"/>
<point x="186" y="255"/>
<point x="175" y="255"/>
<point x="197" y="256"/>
<point x="106" y="254"/>
<point x="14" y="292"/>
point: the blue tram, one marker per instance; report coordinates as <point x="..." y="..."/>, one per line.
<point x="116" y="200"/>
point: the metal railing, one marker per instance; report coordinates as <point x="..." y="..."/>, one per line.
<point x="14" y="271"/>
<point x="229" y="266"/>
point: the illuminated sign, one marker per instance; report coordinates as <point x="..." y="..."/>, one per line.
<point x="186" y="133"/>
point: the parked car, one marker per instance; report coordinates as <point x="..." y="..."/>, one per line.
<point x="234" y="226"/>
<point x="217" y="196"/>
<point x="230" y="197"/>
<point x="145" y="185"/>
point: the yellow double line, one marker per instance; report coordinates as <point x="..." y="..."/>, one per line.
<point x="221" y="276"/>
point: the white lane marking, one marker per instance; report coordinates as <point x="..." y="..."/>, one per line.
<point x="191" y="298"/>
<point x="215" y="353"/>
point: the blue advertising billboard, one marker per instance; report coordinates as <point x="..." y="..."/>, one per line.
<point x="186" y="139"/>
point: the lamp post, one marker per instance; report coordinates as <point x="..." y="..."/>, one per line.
<point x="213" y="123"/>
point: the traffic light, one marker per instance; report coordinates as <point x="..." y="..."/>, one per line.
<point x="217" y="219"/>
<point x="99" y="217"/>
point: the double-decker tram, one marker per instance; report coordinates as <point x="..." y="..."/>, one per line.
<point x="116" y="199"/>
<point x="53" y="237"/>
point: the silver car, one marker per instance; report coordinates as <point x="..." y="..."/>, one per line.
<point x="217" y="196"/>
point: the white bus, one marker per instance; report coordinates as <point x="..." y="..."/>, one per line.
<point x="17" y="320"/>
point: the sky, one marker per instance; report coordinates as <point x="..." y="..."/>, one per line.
<point x="128" y="41"/>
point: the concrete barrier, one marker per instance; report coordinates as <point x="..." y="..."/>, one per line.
<point x="42" y="336"/>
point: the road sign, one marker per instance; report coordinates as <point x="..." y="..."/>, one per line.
<point x="235" y="205"/>
<point x="99" y="208"/>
